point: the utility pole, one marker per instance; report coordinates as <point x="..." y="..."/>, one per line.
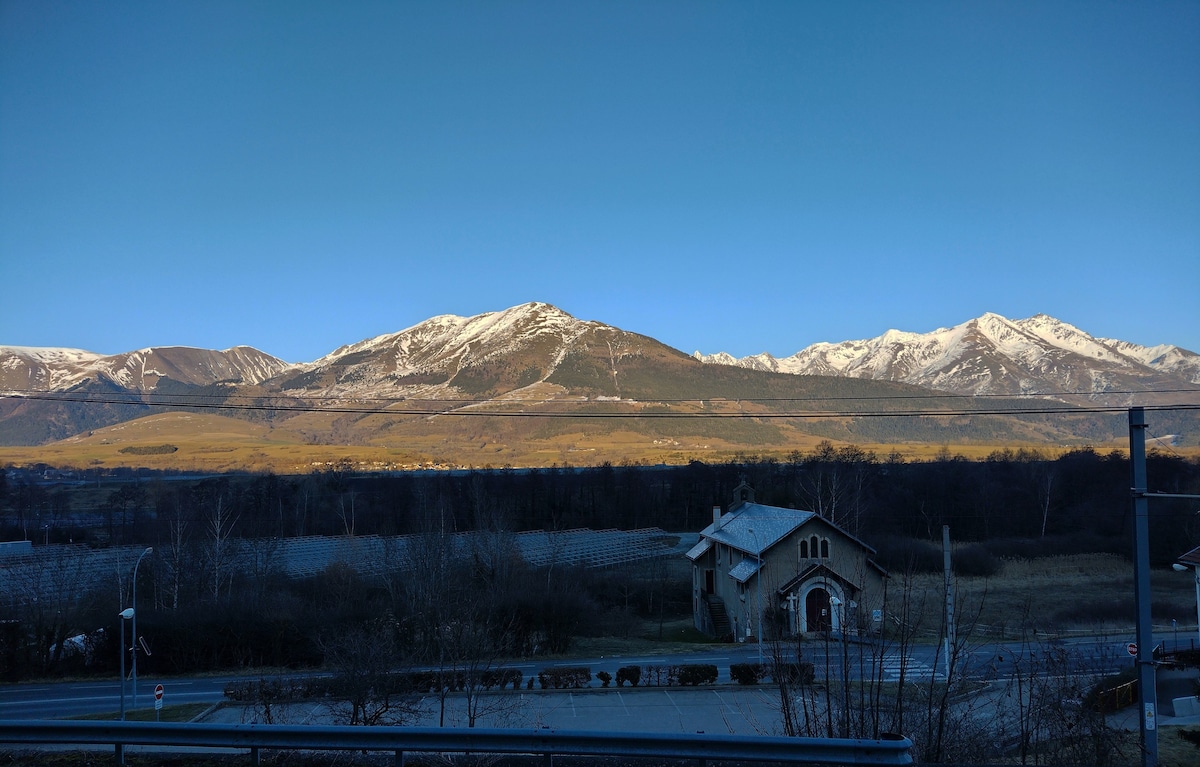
<point x="1147" y="692"/>
<point x="950" y="637"/>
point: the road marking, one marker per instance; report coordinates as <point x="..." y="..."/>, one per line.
<point x="910" y="667"/>
<point x="729" y="708"/>
<point x="673" y="703"/>
<point x="622" y="699"/>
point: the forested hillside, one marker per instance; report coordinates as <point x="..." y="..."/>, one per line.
<point x="1081" y="498"/>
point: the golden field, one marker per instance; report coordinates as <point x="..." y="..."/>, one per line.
<point x="213" y="443"/>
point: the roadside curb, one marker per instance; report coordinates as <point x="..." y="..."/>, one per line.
<point x="207" y="712"/>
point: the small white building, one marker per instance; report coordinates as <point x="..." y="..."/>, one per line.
<point x="793" y="571"/>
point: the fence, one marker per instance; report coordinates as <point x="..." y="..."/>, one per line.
<point x="399" y="740"/>
<point x="1117" y="698"/>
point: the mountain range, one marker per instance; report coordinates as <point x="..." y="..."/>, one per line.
<point x="596" y="383"/>
<point x="992" y="355"/>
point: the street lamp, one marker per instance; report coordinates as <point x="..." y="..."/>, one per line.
<point x="1196" y="571"/>
<point x="134" y="625"/>
<point x="758" y="577"/>
<point x="123" y="616"/>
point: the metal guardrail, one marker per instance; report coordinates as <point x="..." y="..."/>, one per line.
<point x="546" y="743"/>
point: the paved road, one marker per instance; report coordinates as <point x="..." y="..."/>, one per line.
<point x="70" y="699"/>
<point x="991" y="661"/>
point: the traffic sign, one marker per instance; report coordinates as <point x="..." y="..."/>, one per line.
<point x="1132" y="648"/>
<point x="158" y="695"/>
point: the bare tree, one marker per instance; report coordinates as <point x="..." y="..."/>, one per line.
<point x="49" y="593"/>
<point x="219" y="549"/>
<point x="362" y="660"/>
<point x="833" y="483"/>
<point x="946" y="715"/>
<point x="176" y="556"/>
<point x="803" y="708"/>
<point x="1045" y="711"/>
<point x="346" y="513"/>
<point x="1044" y="476"/>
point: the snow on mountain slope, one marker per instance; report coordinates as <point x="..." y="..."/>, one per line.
<point x="1163" y="357"/>
<point x="991" y="355"/>
<point x="524" y="343"/>
<point x="142" y="369"/>
<point x="40" y="369"/>
<point x="527" y="343"/>
<point x="51" y="355"/>
<point x="447" y="337"/>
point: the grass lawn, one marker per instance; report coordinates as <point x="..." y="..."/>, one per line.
<point x="184" y="712"/>
<point x="1174" y="751"/>
<point x="678" y="636"/>
<point x="1084" y="593"/>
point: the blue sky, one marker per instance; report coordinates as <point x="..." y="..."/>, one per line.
<point x="737" y="177"/>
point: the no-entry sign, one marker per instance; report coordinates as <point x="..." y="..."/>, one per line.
<point x="1132" y="648"/>
<point x="158" y="693"/>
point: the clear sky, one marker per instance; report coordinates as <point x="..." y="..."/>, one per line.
<point x="737" y="177"/>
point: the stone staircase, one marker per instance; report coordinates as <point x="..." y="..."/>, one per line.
<point x="718" y="616"/>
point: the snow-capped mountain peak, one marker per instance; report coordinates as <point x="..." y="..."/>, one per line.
<point x="52" y="369"/>
<point x="524" y="344"/>
<point x="990" y="354"/>
<point x="537" y="353"/>
<point x="450" y="336"/>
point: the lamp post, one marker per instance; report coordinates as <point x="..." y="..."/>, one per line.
<point x="134" y="622"/>
<point x="123" y="616"/>
<point x="758" y="578"/>
<point x="835" y="609"/>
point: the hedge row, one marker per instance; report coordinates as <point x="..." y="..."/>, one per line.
<point x="308" y="688"/>
<point x="278" y="690"/>
<point x="746" y="673"/>
<point x="793" y="673"/>
<point x="687" y="675"/>
<point x="573" y="678"/>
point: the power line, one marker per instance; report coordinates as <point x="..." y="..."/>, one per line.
<point x="468" y="411"/>
<point x="135" y="396"/>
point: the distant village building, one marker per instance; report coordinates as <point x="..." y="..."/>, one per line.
<point x="797" y="570"/>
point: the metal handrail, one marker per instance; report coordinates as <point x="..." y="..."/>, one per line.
<point x="547" y="743"/>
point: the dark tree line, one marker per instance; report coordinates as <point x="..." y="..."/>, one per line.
<point x="1082" y="495"/>
<point x="207" y="611"/>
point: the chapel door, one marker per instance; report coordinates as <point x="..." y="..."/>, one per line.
<point x="816" y="610"/>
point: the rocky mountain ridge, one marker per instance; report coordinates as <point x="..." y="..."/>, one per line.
<point x="56" y="369"/>
<point x="491" y="352"/>
<point x="986" y="355"/>
<point x="537" y="360"/>
<point x="992" y="355"/>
